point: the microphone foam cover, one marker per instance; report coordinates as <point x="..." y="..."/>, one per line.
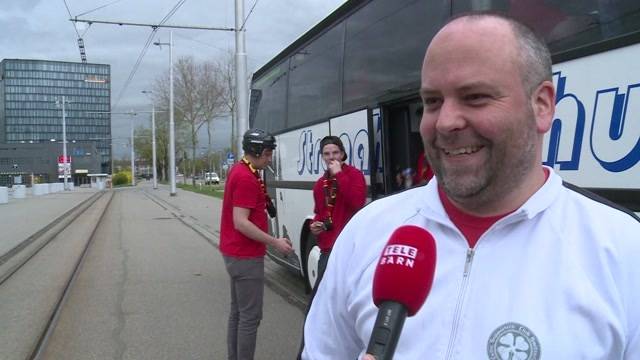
<point x="406" y="267"/>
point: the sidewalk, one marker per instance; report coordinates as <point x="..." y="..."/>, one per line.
<point x="197" y="210"/>
<point x="202" y="214"/>
<point x="21" y="218"/>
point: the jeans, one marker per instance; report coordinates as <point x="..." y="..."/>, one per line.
<point x="247" y="291"/>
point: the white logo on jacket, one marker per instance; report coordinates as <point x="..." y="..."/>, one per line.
<point x="513" y="341"/>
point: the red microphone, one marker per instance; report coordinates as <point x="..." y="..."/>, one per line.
<point x="401" y="284"/>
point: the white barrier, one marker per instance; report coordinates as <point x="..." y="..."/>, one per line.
<point x="70" y="185"/>
<point x="40" y="189"/>
<point x="56" y="187"/>
<point x="4" y="195"/>
<point x="19" y="191"/>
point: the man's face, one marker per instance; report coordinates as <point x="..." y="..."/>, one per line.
<point x="478" y="126"/>
<point x="331" y="152"/>
<point x="264" y="159"/>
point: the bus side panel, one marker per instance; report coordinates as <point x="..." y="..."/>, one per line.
<point x="594" y="141"/>
<point x="352" y="129"/>
<point x="298" y="163"/>
<point x="298" y="153"/>
<point x="294" y="208"/>
<point x="297" y="160"/>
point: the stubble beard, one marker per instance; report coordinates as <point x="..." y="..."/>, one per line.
<point x="504" y="170"/>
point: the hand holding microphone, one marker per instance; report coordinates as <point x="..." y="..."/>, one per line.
<point x="401" y="283"/>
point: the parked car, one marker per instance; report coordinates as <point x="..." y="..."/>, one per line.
<point x="211" y="178"/>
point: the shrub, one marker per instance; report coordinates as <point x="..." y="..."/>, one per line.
<point x="121" y="178"/>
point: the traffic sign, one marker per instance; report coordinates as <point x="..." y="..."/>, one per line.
<point x="230" y="158"/>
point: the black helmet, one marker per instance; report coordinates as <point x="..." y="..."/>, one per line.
<point x="255" y="141"/>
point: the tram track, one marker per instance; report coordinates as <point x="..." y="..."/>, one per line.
<point x="47" y="292"/>
<point x="14" y="259"/>
<point x="37" y="275"/>
<point x="50" y="326"/>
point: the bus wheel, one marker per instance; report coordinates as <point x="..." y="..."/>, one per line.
<point x="312" y="257"/>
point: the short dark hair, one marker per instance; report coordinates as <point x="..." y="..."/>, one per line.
<point x="334" y="140"/>
<point x="534" y="55"/>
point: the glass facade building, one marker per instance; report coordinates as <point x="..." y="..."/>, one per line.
<point x="31" y="94"/>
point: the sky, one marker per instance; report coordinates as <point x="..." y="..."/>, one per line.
<point x="40" y="29"/>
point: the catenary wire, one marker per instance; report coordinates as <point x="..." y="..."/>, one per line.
<point x="143" y="52"/>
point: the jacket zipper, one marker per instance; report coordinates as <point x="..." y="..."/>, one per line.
<point x="458" y="311"/>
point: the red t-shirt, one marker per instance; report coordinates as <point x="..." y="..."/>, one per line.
<point x="471" y="226"/>
<point x="423" y="170"/>
<point x="242" y="189"/>
<point x="351" y="196"/>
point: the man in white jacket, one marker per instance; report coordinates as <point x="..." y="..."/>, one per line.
<point x="528" y="267"/>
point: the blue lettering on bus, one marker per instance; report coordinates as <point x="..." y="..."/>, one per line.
<point x="571" y="102"/>
<point x="377" y="155"/>
<point x="611" y="111"/>
<point x="309" y="155"/>
<point x="616" y="115"/>
<point x="361" y="157"/>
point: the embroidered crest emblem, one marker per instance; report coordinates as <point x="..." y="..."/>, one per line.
<point x="513" y="341"/>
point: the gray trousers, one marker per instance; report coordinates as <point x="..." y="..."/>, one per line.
<point x="247" y="291"/>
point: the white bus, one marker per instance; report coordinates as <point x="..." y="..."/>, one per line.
<point x="357" y="73"/>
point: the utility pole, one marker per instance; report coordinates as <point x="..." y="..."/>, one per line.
<point x="153" y="145"/>
<point x="242" y="123"/>
<point x="131" y="113"/>
<point x="153" y="140"/>
<point x="133" y="159"/>
<point x="65" y="172"/>
<point x="172" y="131"/>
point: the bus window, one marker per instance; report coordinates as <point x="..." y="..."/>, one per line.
<point x="270" y="112"/>
<point x="313" y="72"/>
<point x="566" y="24"/>
<point x="403" y="145"/>
<point x="385" y="44"/>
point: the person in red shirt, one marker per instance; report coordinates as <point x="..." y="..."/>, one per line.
<point x="243" y="240"/>
<point x="338" y="194"/>
<point x="424" y="173"/>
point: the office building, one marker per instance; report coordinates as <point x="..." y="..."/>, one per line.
<point x="31" y="101"/>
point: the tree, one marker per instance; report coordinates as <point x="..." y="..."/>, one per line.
<point x="227" y="77"/>
<point x="198" y="100"/>
<point x="201" y="94"/>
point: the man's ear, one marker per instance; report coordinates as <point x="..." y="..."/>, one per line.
<point x="543" y="103"/>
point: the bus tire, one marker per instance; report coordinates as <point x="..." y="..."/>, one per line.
<point x="311" y="259"/>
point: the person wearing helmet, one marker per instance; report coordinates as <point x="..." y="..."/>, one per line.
<point x="243" y="240"/>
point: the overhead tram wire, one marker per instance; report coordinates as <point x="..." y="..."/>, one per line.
<point x="144" y="51"/>
<point x="247" y="18"/>
<point x="200" y="42"/>
<point x="83" y="55"/>
<point x="98" y="8"/>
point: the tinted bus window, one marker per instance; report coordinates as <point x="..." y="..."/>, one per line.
<point x="314" y="79"/>
<point x="269" y="113"/>
<point x="567" y="25"/>
<point x="385" y="44"/>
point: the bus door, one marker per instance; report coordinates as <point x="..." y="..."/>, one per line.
<point x="402" y="144"/>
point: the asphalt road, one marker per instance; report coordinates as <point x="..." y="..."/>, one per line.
<point x="153" y="287"/>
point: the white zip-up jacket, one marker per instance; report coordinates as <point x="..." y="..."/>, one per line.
<point x="558" y="278"/>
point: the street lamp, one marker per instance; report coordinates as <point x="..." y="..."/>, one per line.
<point x="132" y="113"/>
<point x="133" y="159"/>
<point x="62" y="102"/>
<point x="172" y="144"/>
<point x="153" y="139"/>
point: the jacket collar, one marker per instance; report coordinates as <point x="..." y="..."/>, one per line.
<point x="431" y="207"/>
